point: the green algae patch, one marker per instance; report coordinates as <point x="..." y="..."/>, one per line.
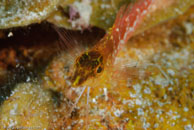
<point x="164" y="10"/>
<point x="15" y="13"/>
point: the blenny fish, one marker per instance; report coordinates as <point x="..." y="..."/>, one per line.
<point x="92" y="62"/>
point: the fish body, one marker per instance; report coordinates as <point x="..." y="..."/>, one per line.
<point x="92" y="62"/>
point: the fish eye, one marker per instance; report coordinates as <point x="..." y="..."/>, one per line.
<point x="99" y="69"/>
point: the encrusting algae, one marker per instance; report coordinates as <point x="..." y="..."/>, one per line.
<point x="28" y="107"/>
<point x="150" y="86"/>
<point x="146" y="89"/>
<point x="14" y="13"/>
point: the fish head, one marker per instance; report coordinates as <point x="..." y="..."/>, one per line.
<point x="89" y="64"/>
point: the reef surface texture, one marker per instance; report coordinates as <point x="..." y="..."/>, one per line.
<point x="150" y="86"/>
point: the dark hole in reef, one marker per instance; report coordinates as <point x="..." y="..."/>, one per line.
<point x="25" y="43"/>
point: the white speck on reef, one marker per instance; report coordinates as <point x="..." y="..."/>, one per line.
<point x="102" y="112"/>
<point x="138" y="102"/>
<point x="94" y="100"/>
<point x="176" y="117"/>
<point x="171" y="72"/>
<point x="118" y="112"/>
<point x="137" y="88"/>
<point x="159" y="80"/>
<point x="147" y="90"/>
<point x="10" y="34"/>
<point x="184" y="119"/>
<point x="186" y="109"/>
<point x="146" y="125"/>
<point x="156" y="125"/>
<point x="14" y="110"/>
<point x="132" y="95"/>
<point x="188" y="27"/>
<point x="170" y="89"/>
<point x="104" y="6"/>
<point x="12" y="123"/>
<point x="57" y="18"/>
<point x="28" y="79"/>
<point x="140" y="112"/>
<point x="188" y="127"/>
<point x="178" y="11"/>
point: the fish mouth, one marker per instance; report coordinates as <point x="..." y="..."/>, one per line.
<point x="77" y="80"/>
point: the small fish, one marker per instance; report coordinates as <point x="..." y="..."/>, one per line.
<point x="92" y="62"/>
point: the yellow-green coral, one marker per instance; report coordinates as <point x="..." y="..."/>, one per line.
<point x="28" y="107"/>
<point x="165" y="10"/>
<point x="15" y="13"/>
